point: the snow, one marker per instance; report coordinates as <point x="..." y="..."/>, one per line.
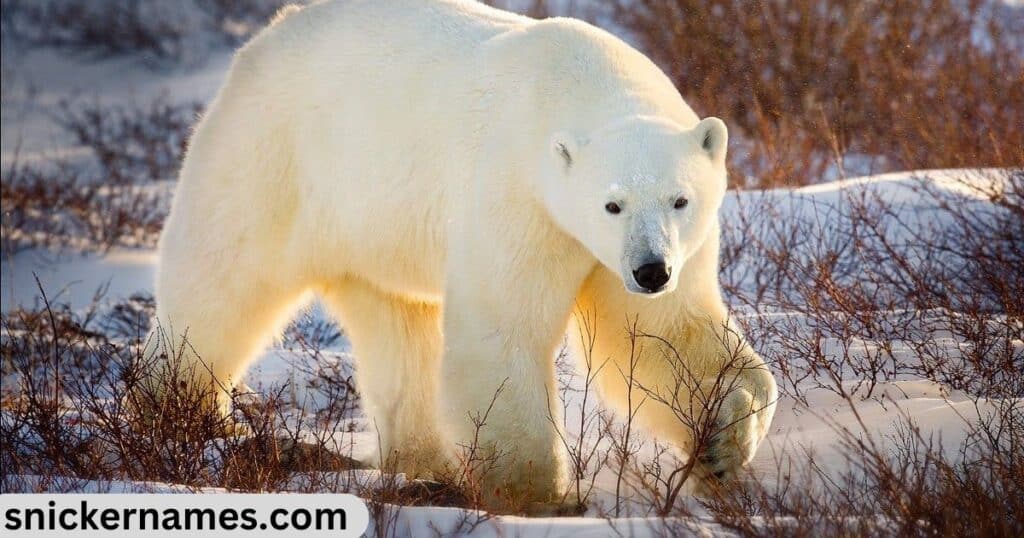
<point x="36" y="80"/>
<point x="73" y="277"/>
<point x="33" y="483"/>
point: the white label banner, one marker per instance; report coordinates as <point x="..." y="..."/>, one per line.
<point x="230" y="514"/>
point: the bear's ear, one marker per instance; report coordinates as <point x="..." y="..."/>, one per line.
<point x="564" y="147"/>
<point x="713" y="137"/>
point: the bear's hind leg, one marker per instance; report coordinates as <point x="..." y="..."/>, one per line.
<point x="220" y="320"/>
<point x="398" y="345"/>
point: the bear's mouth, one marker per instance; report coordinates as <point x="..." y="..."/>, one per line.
<point x="633" y="287"/>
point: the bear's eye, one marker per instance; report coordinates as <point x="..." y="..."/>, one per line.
<point x="680" y="203"/>
<point x="612" y="208"/>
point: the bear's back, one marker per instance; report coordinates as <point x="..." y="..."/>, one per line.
<point x="408" y="27"/>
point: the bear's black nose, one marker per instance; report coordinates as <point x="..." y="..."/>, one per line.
<point x="652" y="276"/>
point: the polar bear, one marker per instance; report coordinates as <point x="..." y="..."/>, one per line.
<point x="453" y="182"/>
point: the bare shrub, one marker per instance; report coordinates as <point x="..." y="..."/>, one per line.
<point x="474" y="461"/>
<point x="131" y="144"/>
<point x="817" y="85"/>
<point x="863" y="292"/>
<point x="622" y="434"/>
<point x="58" y="206"/>
<point x="578" y="394"/>
<point x="79" y="404"/>
<point x="113" y="199"/>
<point x="163" y="32"/>
<point x="918" y="487"/>
<point x="130" y="319"/>
<point x="697" y="402"/>
<point x="104" y="28"/>
<point x="877" y="292"/>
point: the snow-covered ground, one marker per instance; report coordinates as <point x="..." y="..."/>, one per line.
<point x="36" y="80"/>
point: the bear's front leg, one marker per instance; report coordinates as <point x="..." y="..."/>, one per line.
<point x="701" y="388"/>
<point x="504" y="317"/>
<point x="497" y="402"/>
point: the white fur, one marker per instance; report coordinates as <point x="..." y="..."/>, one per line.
<point x="398" y="158"/>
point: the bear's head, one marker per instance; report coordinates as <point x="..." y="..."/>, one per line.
<point x="641" y="194"/>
